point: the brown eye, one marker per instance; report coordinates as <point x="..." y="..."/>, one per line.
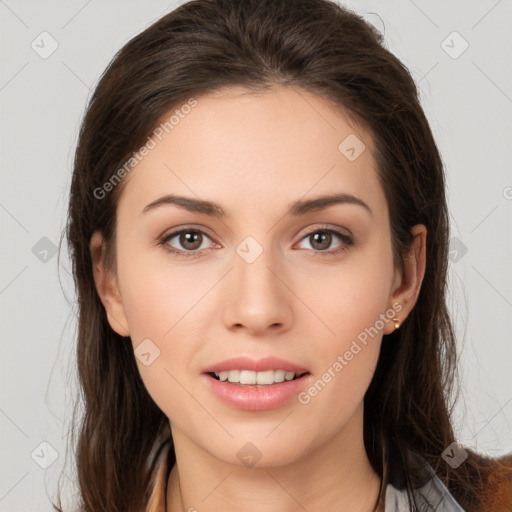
<point x="320" y="240"/>
<point x="190" y="240"/>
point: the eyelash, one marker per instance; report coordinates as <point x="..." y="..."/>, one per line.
<point x="345" y="239"/>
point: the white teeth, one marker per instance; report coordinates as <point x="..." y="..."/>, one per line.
<point x="250" y="377"/>
<point x="280" y="374"/>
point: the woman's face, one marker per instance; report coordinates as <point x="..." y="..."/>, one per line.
<point x="259" y="281"/>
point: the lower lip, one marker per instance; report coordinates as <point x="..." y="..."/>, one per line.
<point x="257" y="398"/>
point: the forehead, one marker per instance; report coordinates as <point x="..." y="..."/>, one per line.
<point x="244" y="148"/>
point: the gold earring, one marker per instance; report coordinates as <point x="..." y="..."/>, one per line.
<point x="397" y="322"/>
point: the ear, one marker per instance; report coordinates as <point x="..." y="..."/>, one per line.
<point x="107" y="286"/>
<point x="407" y="284"/>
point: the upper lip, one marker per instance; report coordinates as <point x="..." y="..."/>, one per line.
<point x="255" y="365"/>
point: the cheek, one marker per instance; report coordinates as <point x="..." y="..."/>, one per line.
<point x="338" y="392"/>
<point x="348" y="297"/>
<point x="163" y="304"/>
<point x="345" y="362"/>
<point x="157" y="296"/>
<point x="352" y="301"/>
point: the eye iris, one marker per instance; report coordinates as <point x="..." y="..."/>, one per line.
<point x="190" y="237"/>
<point x="322" y="234"/>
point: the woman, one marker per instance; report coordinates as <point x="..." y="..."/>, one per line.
<point x="258" y="228"/>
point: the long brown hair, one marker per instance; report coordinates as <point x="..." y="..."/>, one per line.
<point x="328" y="50"/>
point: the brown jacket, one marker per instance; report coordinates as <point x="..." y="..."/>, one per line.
<point x="497" y="496"/>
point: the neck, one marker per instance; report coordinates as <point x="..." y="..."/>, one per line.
<point x="336" y="475"/>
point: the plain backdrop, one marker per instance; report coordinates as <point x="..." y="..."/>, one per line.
<point x="458" y="51"/>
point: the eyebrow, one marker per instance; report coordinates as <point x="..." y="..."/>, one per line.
<point x="297" y="208"/>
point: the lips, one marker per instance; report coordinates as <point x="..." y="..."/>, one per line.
<point x="255" y="365"/>
<point x="256" y="397"/>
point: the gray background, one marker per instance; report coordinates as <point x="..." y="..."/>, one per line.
<point x="468" y="100"/>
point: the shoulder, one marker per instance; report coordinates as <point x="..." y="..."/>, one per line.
<point x="414" y="485"/>
<point x="492" y="479"/>
<point x="494" y="487"/>
<point x="158" y="482"/>
<point x="497" y="492"/>
<point x="429" y="495"/>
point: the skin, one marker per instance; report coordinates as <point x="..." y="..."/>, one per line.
<point x="255" y="154"/>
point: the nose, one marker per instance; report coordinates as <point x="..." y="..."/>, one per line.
<point x="257" y="297"/>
